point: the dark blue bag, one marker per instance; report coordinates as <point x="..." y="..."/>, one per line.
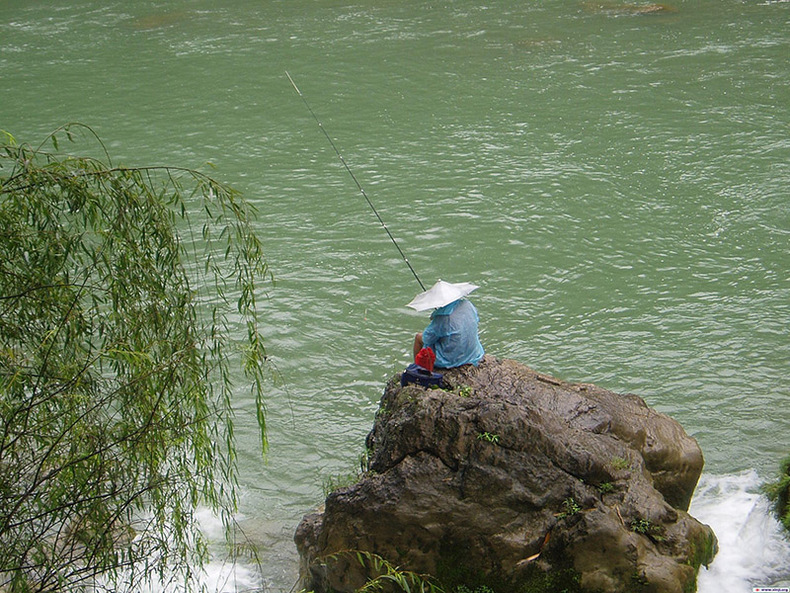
<point x="414" y="373"/>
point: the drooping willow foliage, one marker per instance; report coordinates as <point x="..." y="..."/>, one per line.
<point x="128" y="299"/>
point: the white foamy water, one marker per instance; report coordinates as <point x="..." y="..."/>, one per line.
<point x="221" y="574"/>
<point x="231" y="578"/>
<point x="753" y="551"/>
<point x="217" y="577"/>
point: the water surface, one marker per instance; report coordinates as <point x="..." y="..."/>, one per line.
<point x="615" y="182"/>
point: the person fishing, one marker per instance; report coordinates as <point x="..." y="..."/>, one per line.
<point x="452" y="333"/>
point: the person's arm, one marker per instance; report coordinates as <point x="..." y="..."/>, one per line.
<point x="417" y="343"/>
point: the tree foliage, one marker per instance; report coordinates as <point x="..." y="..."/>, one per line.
<point x="122" y="291"/>
<point x="778" y="493"/>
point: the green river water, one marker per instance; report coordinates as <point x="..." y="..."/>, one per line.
<point x="615" y="182"/>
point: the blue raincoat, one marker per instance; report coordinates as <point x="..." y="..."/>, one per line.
<point x="452" y="335"/>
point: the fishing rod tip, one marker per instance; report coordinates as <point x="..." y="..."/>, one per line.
<point x="296" y="88"/>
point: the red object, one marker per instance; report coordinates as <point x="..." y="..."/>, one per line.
<point x="425" y="358"/>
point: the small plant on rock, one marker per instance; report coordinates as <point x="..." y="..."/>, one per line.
<point x="778" y="493"/>
<point x="364" y="460"/>
<point x="620" y="463"/>
<point x="639" y="581"/>
<point x="569" y="508"/>
<point x="387" y="577"/>
<point x="605" y="487"/>
<point x="465" y="391"/>
<point x="338" y="481"/>
<point x="648" y="528"/>
<point x="487" y="436"/>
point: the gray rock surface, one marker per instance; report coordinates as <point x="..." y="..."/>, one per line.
<point x="520" y="482"/>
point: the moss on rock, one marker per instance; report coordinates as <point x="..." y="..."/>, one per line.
<point x="778" y="493"/>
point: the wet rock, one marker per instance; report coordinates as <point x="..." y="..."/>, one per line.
<point x="513" y="479"/>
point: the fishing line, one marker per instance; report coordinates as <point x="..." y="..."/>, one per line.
<point x="362" y="191"/>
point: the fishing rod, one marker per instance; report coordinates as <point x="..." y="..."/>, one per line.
<point x="362" y="191"/>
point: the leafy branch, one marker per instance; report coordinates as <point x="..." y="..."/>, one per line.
<point x="121" y="326"/>
<point x="385" y="575"/>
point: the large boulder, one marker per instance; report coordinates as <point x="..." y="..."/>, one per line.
<point x="517" y="481"/>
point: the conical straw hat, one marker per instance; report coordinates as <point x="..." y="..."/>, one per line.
<point x="440" y="294"/>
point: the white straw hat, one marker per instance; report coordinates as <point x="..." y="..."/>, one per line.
<point x="440" y="294"/>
